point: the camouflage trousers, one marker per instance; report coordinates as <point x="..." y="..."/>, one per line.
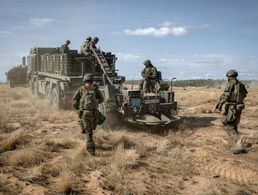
<point x="230" y="119"/>
<point x="148" y="86"/>
<point x="89" y="124"/>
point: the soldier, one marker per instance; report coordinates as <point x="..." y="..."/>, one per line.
<point x="84" y="46"/>
<point x="150" y="75"/>
<point x="233" y="98"/>
<point x="65" y="48"/>
<point x="94" y="43"/>
<point x="86" y="101"/>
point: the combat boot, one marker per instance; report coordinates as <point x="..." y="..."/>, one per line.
<point x="242" y="144"/>
<point x="90" y="147"/>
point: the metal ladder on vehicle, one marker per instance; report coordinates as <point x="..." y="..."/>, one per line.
<point x="104" y="65"/>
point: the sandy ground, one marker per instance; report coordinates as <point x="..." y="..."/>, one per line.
<point x="42" y="150"/>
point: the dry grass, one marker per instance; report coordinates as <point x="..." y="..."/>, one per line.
<point x="52" y="170"/>
<point x="15" y="139"/>
<point x="118" y="168"/>
<point x="17" y="102"/>
<point x="66" y="183"/>
<point x="197" y="96"/>
<point x="111" y="140"/>
<point x="54" y="145"/>
<point x="136" y="163"/>
<point x="28" y="157"/>
<point x="163" y="146"/>
<point x="81" y="163"/>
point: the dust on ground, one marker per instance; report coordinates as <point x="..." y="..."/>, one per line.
<point x="42" y="150"/>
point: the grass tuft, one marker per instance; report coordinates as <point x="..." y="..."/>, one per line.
<point x="29" y="157"/>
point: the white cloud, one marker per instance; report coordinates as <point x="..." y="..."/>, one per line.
<point x="165" y="30"/>
<point x="128" y="56"/>
<point x="40" y="22"/>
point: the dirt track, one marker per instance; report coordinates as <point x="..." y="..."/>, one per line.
<point x="42" y="151"/>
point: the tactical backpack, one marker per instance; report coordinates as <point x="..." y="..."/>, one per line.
<point x="239" y="93"/>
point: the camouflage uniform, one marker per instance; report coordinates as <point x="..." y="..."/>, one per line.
<point x="64" y="48"/>
<point x="94" y="42"/>
<point x="149" y="73"/>
<point x="85" y="46"/>
<point x="233" y="98"/>
<point x="86" y="101"/>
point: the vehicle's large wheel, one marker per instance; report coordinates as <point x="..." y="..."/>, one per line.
<point x="31" y="86"/>
<point x="10" y="82"/>
<point x="55" y="98"/>
<point x="35" y="88"/>
<point x="48" y="93"/>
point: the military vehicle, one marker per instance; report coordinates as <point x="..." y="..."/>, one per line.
<point x="152" y="109"/>
<point x="56" y="76"/>
<point x="17" y="76"/>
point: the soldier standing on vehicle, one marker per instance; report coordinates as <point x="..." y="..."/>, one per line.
<point x="94" y="42"/>
<point x="85" y="45"/>
<point x="86" y="101"/>
<point x="91" y="45"/>
<point x="150" y="75"/>
<point x="65" y="48"/>
<point x="233" y="98"/>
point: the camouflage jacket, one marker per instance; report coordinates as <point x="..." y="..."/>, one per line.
<point x="234" y="91"/>
<point x="64" y="48"/>
<point x="78" y="101"/>
<point x="85" y="47"/>
<point x="149" y="72"/>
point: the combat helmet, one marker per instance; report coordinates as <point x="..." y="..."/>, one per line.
<point x="88" y="38"/>
<point x="68" y="41"/>
<point x="95" y="39"/>
<point x="147" y="62"/>
<point x="88" y="77"/>
<point x="232" y="73"/>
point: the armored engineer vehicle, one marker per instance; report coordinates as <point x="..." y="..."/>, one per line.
<point x="56" y="76"/>
<point x="17" y="76"/>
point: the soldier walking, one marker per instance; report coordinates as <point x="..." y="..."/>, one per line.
<point x="86" y="100"/>
<point x="233" y="98"/>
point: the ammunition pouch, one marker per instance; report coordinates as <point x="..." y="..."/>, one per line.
<point x="100" y="118"/>
<point x="224" y="119"/>
<point x="231" y="114"/>
<point x="240" y="107"/>
<point x="76" y="104"/>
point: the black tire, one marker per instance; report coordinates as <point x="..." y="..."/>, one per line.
<point x="35" y="89"/>
<point x="48" y="93"/>
<point x="55" y="98"/>
<point x="10" y="83"/>
<point x="31" y="86"/>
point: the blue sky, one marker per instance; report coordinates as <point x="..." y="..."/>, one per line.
<point x="187" y="39"/>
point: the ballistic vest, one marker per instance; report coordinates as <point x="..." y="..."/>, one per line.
<point x="238" y="93"/>
<point x="88" y="100"/>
